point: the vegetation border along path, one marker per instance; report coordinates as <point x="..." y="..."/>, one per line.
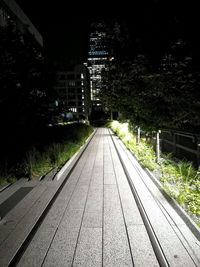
<point x="179" y="178"/>
<point x="38" y="161"/>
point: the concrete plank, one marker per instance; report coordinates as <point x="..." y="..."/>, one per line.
<point x="47" y="238"/>
<point x="24" y="206"/>
<point x="112" y="202"/>
<point x="166" y="235"/>
<point x="71" y="218"/>
<point x="85" y="178"/>
<point x="97" y="180"/>
<point x="141" y="248"/>
<point x="61" y="251"/>
<point x="4" y="233"/>
<point x="130" y="209"/>
<point x="108" y="168"/>
<point x="58" y="208"/>
<point x="189" y="241"/>
<point x="37" y="249"/>
<point x="89" y="248"/>
<point x="54" y="215"/>
<point x="173" y="248"/>
<point x="78" y="198"/>
<point x="13" y="200"/>
<point x="94" y="199"/>
<point x="92" y="219"/>
<point x="116" y="250"/>
<point x="11" y="245"/>
<point x="5" y="194"/>
<point x="142" y="251"/>
<point x="109" y="178"/>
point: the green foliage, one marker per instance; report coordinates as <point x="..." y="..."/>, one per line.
<point x="179" y="178"/>
<point x="187" y="171"/>
<point x="37" y="163"/>
<point x="51" y="148"/>
<point x="9" y="179"/>
<point x="143" y="151"/>
<point x="56" y="154"/>
<point x="181" y="181"/>
<point x="6" y="177"/>
<point x="188" y="196"/>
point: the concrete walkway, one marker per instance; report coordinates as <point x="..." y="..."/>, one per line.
<point x="95" y="221"/>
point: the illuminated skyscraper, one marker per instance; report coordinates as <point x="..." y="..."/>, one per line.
<point x="98" y="56"/>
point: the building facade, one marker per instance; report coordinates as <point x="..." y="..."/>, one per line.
<point x="10" y="10"/>
<point x="73" y="92"/>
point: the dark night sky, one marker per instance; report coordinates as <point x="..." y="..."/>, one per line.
<point x="65" y="24"/>
<point x="64" y="28"/>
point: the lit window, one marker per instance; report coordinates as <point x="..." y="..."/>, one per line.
<point x="72" y="83"/>
<point x="73" y="109"/>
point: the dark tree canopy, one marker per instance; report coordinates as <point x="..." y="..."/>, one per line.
<point x="23" y="91"/>
<point x="156" y="85"/>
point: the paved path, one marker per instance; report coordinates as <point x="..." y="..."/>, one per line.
<point x="95" y="221"/>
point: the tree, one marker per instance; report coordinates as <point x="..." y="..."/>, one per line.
<point x="156" y="96"/>
<point x="23" y="91"/>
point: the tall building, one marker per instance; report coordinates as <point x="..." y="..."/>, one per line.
<point x="73" y="92"/>
<point x="10" y="10"/>
<point x="98" y="57"/>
